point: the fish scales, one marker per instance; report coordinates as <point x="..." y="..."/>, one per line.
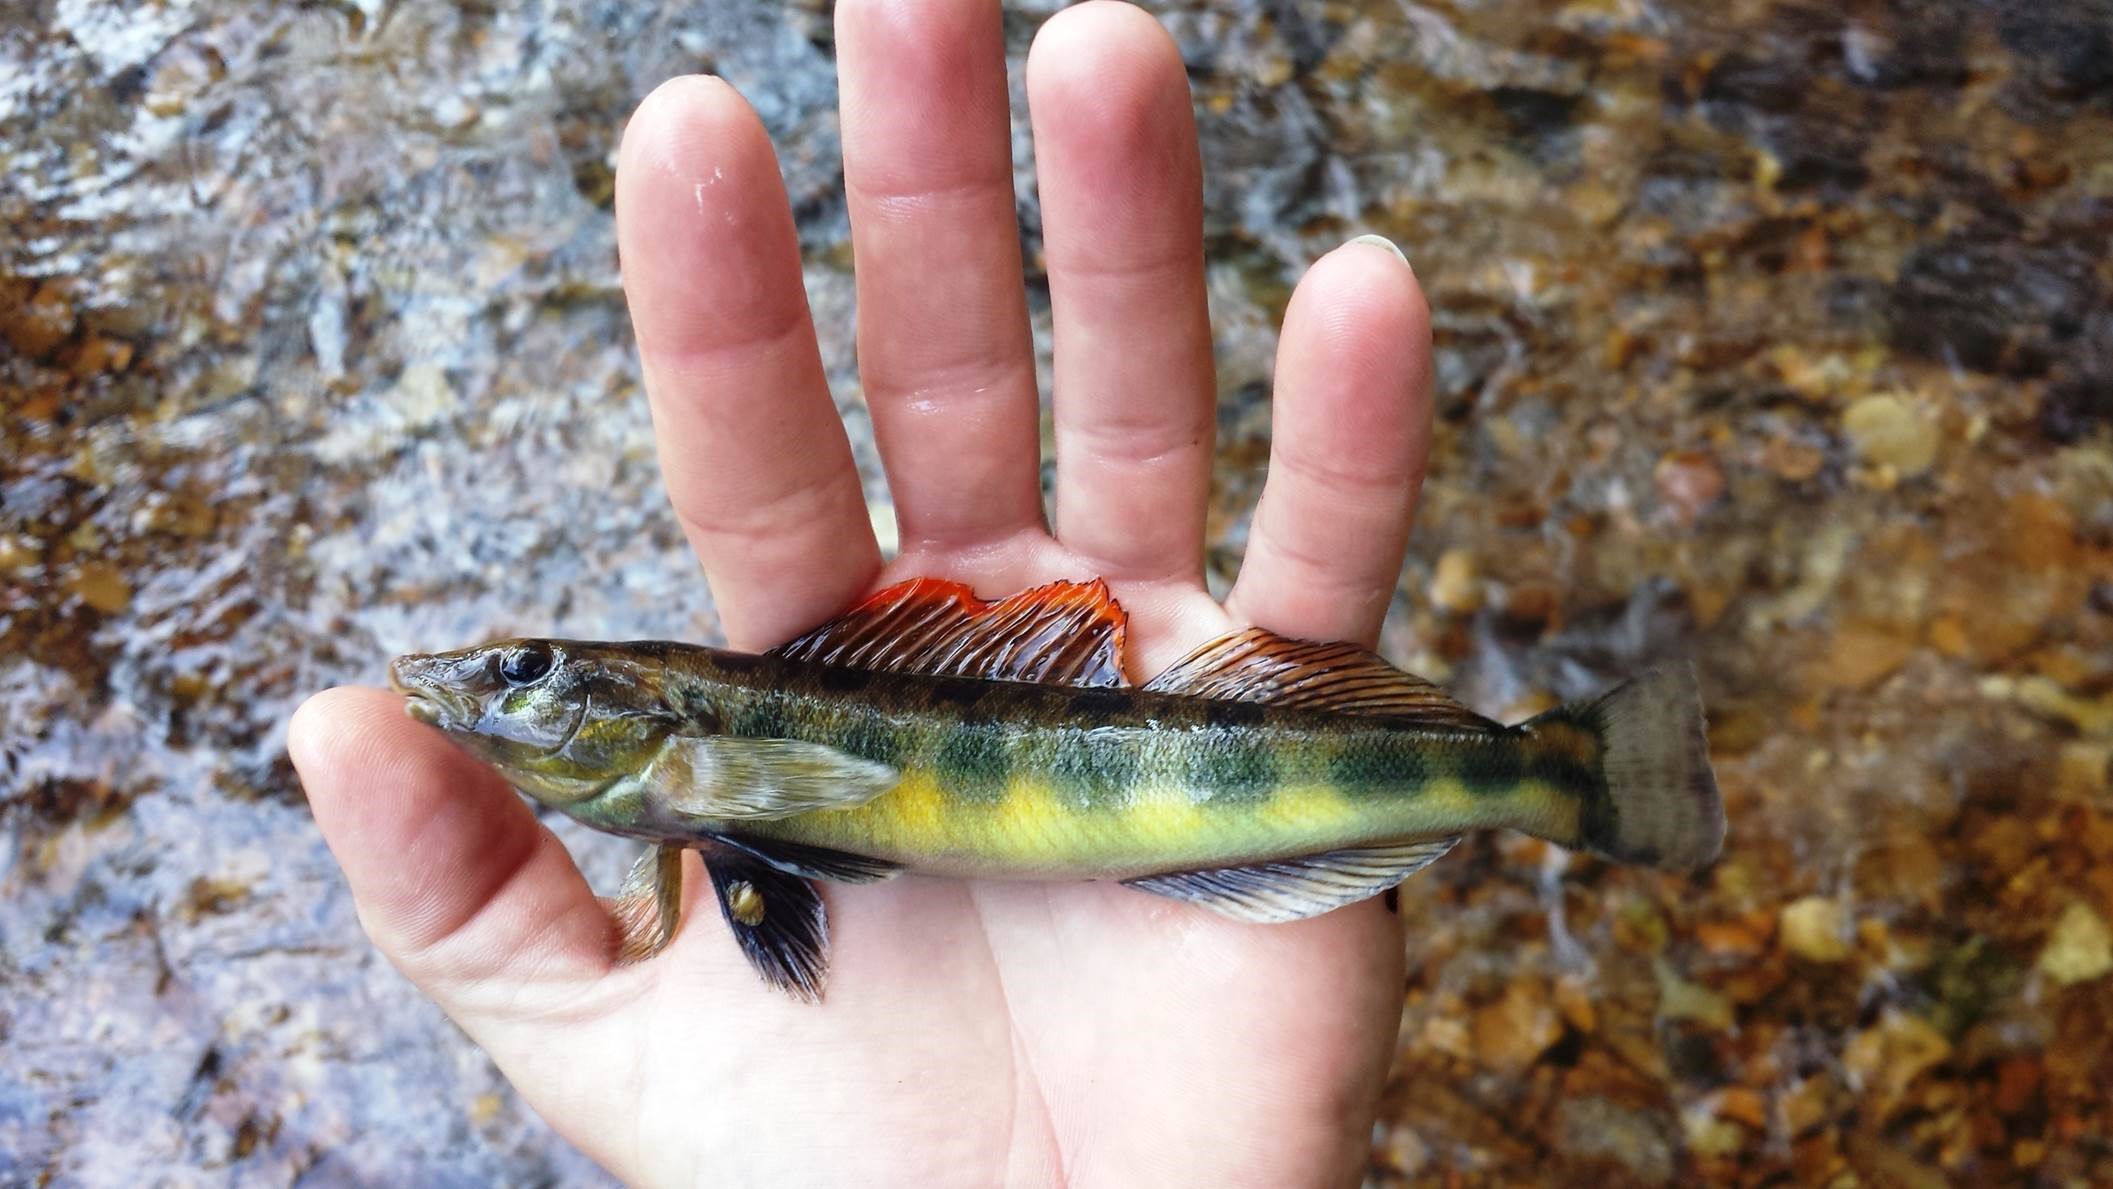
<point x="1264" y="778"/>
<point x="1013" y="778"/>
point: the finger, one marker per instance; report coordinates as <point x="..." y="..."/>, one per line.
<point x="753" y="452"/>
<point x="943" y="347"/>
<point x="456" y="881"/>
<point x="1351" y="427"/>
<point x="1122" y="210"/>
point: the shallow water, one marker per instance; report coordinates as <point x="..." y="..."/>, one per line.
<point x="1772" y="333"/>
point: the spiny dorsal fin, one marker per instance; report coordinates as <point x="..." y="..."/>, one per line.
<point x="1065" y="633"/>
<point x="1293" y="889"/>
<point x="1257" y="665"/>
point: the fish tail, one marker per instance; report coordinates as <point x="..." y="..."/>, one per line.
<point x="1655" y="801"/>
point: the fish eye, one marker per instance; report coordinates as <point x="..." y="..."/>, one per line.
<point x="525" y="664"/>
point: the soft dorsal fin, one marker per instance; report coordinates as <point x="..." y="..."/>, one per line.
<point x="1257" y="665"/>
<point x="1065" y="633"/>
<point x="1280" y="890"/>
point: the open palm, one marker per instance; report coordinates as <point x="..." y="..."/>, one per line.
<point x="973" y="1033"/>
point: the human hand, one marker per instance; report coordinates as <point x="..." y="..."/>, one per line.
<point x="973" y="1033"/>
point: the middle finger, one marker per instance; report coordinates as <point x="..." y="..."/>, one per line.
<point x="943" y="345"/>
<point x="1122" y="207"/>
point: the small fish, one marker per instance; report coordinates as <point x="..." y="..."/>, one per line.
<point x="1266" y="778"/>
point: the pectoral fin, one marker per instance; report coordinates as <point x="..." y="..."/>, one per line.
<point x="1293" y="889"/>
<point x="729" y="777"/>
<point x="649" y="905"/>
<point x="777" y="918"/>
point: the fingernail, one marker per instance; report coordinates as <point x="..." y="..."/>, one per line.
<point x="1381" y="241"/>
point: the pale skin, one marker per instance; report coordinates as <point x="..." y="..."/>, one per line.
<point x="973" y="1033"/>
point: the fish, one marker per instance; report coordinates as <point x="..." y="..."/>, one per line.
<point x="927" y="730"/>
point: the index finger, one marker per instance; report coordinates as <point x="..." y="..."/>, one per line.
<point x="751" y="446"/>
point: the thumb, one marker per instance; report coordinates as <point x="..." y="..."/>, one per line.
<point x="455" y="879"/>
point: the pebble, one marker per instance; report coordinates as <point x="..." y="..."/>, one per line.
<point x="1688" y="482"/>
<point x="1816" y="929"/>
<point x="1889" y="1055"/>
<point x="1455" y="585"/>
<point x="101" y="586"/>
<point x="1888" y="431"/>
<point x="2079" y="949"/>
<point x="1679" y="999"/>
<point x="1512" y="1033"/>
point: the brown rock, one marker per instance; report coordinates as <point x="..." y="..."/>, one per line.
<point x="1740" y="937"/>
<point x="37" y="326"/>
<point x="1679" y="999"/>
<point x="101" y="586"/>
<point x="1887" y="1057"/>
<point x="1740" y="1104"/>
<point x="1688" y="483"/>
<point x="1512" y="1033"/>
<point x="1859" y="656"/>
<point x="18" y="554"/>
<point x="1455" y="586"/>
<point x="1573" y="998"/>
<point x="2017" y="1083"/>
<point x="1793" y="460"/>
<point x="99" y="355"/>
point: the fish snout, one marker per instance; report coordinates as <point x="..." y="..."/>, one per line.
<point x="431" y="686"/>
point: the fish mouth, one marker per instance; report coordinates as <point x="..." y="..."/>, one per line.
<point x="420" y="680"/>
<point x="421" y="709"/>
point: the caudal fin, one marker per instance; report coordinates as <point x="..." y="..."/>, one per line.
<point x="1659" y="803"/>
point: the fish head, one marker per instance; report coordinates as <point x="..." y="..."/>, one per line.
<point x="560" y="720"/>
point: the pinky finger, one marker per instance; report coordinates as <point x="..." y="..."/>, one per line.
<point x="1350" y="435"/>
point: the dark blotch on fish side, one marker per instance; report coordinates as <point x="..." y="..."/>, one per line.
<point x="1359" y="764"/>
<point x="1229" y="713"/>
<point x="838" y="680"/>
<point x="1561" y="772"/>
<point x="762" y="718"/>
<point x="738" y="662"/>
<point x="1090" y="705"/>
<point x="1089" y="767"/>
<point x="972" y="762"/>
<point x="868" y="738"/>
<point x="957" y="693"/>
<point x="1235" y="768"/>
<point x="1492" y="768"/>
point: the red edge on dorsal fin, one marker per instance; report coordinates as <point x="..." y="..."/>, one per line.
<point x="1257" y="665"/>
<point x="1062" y="633"/>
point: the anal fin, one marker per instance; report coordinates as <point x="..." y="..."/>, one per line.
<point x="649" y="905"/>
<point x="1294" y="889"/>
<point x="777" y="918"/>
